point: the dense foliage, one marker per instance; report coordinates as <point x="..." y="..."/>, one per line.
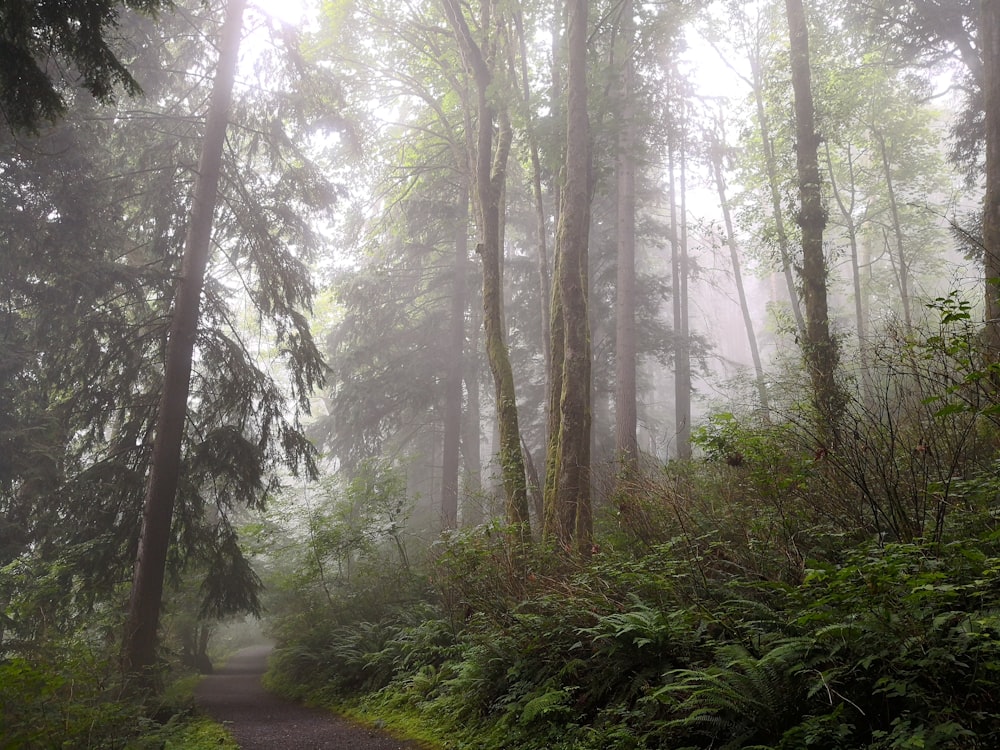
<point x="890" y="646"/>
<point x="48" y="47"/>
<point x="94" y="214"/>
<point x="806" y="559"/>
<point x="769" y="595"/>
<point x="66" y="699"/>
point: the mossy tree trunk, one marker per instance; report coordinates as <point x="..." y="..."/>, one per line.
<point x="493" y="142"/>
<point x="567" y="500"/>
<point x="989" y="30"/>
<point x="819" y="347"/>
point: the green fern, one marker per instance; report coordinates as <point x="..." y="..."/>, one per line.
<point x="741" y="699"/>
<point x="549" y="705"/>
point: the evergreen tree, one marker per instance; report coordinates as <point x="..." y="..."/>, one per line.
<point x="81" y="36"/>
<point x="85" y="329"/>
<point x="142" y="623"/>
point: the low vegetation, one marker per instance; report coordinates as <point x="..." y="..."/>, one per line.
<point x="69" y="696"/>
<point x="772" y="594"/>
<point x="62" y="687"/>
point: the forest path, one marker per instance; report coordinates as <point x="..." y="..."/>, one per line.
<point x="259" y="720"/>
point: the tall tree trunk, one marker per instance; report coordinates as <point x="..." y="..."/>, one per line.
<point x="675" y="267"/>
<point x="455" y="360"/>
<point x="569" y="498"/>
<point x="490" y="174"/>
<point x="771" y="166"/>
<point x="511" y="460"/>
<point x="472" y="508"/>
<point x="989" y="31"/>
<point x="139" y="647"/>
<point x="820" y="351"/>
<point x="550" y="520"/>
<point x="682" y="362"/>
<point x="678" y="274"/>
<point x="626" y="445"/>
<point x="544" y="284"/>
<point x="555" y="522"/>
<point x="727" y="217"/>
<point x="555" y="98"/>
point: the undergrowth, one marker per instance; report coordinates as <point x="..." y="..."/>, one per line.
<point x="780" y="593"/>
<point x="68" y="695"/>
<point x="897" y="646"/>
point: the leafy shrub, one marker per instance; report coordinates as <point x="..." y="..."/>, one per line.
<point x="898" y="647"/>
<point x="67" y="696"/>
<point x="44" y="705"/>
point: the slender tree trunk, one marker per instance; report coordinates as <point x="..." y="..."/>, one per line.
<point x="511" y="460"/>
<point x="847" y="213"/>
<point x="771" y="166"/>
<point x="682" y="378"/>
<point x="491" y="175"/>
<point x="626" y="445"/>
<point x="455" y="361"/>
<point x="571" y="496"/>
<point x="139" y="648"/>
<point x="535" y="490"/>
<point x="544" y="285"/>
<point x="675" y="268"/>
<point x="555" y="99"/>
<point x="555" y="523"/>
<point x="472" y="509"/>
<point x="678" y="274"/>
<point x="989" y="31"/>
<point x="551" y="522"/>
<point x="902" y="264"/>
<point x="727" y="217"/>
<point x="820" y="349"/>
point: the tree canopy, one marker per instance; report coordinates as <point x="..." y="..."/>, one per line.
<point x="50" y="47"/>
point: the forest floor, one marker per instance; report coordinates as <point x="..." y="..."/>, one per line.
<point x="259" y="720"/>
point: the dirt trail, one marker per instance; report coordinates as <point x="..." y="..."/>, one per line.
<point x="261" y="721"/>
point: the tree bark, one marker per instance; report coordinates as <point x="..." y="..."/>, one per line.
<point x="555" y="524"/>
<point x="139" y="647"/>
<point x="820" y="351"/>
<point x="472" y="508"/>
<point x="682" y="359"/>
<point x="675" y="265"/>
<point x="568" y="500"/>
<point x="989" y="30"/>
<point x="490" y="177"/>
<point x="551" y="523"/>
<point x="453" y="377"/>
<point x="626" y="444"/>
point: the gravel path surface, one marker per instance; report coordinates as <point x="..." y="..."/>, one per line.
<point x="261" y="721"/>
